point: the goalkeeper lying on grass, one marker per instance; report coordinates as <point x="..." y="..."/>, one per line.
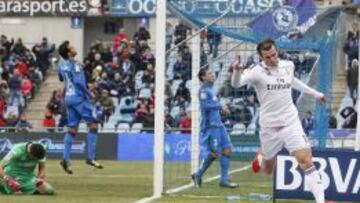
<point x="17" y="171"/>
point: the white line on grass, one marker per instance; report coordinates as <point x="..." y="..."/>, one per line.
<point x="148" y="199"/>
<point x="184" y="187"/>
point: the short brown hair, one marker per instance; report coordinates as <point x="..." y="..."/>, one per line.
<point x="202" y="73"/>
<point x="265" y="45"/>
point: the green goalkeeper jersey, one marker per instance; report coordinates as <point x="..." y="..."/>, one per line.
<point x="18" y="162"/>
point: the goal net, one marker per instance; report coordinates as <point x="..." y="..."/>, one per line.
<point x="200" y="34"/>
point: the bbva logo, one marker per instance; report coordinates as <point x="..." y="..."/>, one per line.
<point x="345" y="178"/>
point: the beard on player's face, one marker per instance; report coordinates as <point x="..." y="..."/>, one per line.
<point x="270" y="57"/>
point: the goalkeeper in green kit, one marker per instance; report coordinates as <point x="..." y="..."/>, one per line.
<point x="17" y="170"/>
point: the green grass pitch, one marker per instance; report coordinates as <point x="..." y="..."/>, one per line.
<point x="125" y="182"/>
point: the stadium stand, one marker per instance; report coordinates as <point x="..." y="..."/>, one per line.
<point x="22" y="71"/>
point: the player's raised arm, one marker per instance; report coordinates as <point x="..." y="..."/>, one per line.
<point x="302" y="87"/>
<point x="239" y="78"/>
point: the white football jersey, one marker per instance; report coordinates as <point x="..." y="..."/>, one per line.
<point x="273" y="87"/>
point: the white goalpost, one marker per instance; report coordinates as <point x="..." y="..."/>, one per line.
<point x="195" y="118"/>
<point x="159" y="95"/>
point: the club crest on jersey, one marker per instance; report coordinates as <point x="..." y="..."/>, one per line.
<point x="202" y="95"/>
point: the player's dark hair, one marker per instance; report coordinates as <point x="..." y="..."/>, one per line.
<point x="37" y="150"/>
<point x="265" y="45"/>
<point x="64" y="50"/>
<point x="202" y="73"/>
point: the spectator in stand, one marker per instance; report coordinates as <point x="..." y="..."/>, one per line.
<point x="187" y="58"/>
<point x="183" y="92"/>
<point x="11" y="121"/>
<point x="180" y="33"/>
<point x="148" y="78"/>
<point x="180" y="67"/>
<point x="119" y="86"/>
<point x="185" y="123"/>
<point x="226" y="90"/>
<point x="49" y="122"/>
<point x="122" y="36"/>
<point x="352" y="79"/>
<point x="169" y="35"/>
<point x="108" y="104"/>
<point x="6" y="44"/>
<point x="203" y="57"/>
<point x="54" y="104"/>
<point x="21" y="67"/>
<point x="28" y="58"/>
<point x="104" y="82"/>
<point x="97" y="61"/>
<point x="214" y="40"/>
<point x="23" y="125"/>
<point x="127" y="68"/>
<point x="106" y="54"/>
<point x="35" y="77"/>
<point x="355" y="30"/>
<point x="351" y="47"/>
<point x="19" y="48"/>
<point x="148" y="57"/>
<point x="169" y="121"/>
<point x="122" y="52"/>
<point x="332" y="120"/>
<point x="26" y="87"/>
<point x="135" y="58"/>
<point x="15" y="95"/>
<point x="141" y="112"/>
<point x="350" y="116"/>
<point x="4" y="89"/>
<point x="308" y="123"/>
<point x="42" y="53"/>
<point x="142" y="34"/>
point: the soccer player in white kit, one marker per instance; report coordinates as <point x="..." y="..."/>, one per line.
<point x="280" y="125"/>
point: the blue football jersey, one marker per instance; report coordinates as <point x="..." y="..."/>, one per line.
<point x="72" y="74"/>
<point x="210" y="107"/>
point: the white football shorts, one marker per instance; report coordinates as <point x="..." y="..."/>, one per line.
<point x="273" y="139"/>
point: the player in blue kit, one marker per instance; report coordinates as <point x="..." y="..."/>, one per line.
<point x="78" y="105"/>
<point x="213" y="133"/>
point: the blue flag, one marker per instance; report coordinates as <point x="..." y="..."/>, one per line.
<point x="282" y="20"/>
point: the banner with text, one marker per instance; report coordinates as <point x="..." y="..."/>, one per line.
<point x="339" y="170"/>
<point x="139" y="147"/>
<point x="53" y="142"/>
<point x="205" y="8"/>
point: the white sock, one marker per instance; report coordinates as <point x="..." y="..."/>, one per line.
<point x="313" y="181"/>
